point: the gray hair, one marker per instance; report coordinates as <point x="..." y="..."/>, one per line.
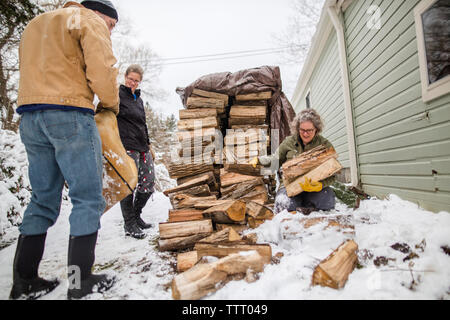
<point x="135" y="68"/>
<point x="307" y="115"/>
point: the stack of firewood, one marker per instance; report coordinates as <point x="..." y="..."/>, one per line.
<point x="316" y="164"/>
<point x="206" y="227"/>
<point x="248" y="137"/>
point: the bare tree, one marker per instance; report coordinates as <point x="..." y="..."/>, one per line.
<point x="14" y="15"/>
<point x="128" y="53"/>
<point x="301" y="27"/>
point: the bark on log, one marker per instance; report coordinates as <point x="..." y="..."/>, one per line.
<point x="333" y="272"/>
<point x="239" y="190"/>
<point x="208" y="204"/>
<point x="180" y="170"/>
<point x="203" y="279"/>
<point x="245" y="127"/>
<point x="197" y="113"/>
<point x="239" y="137"/>
<point x="198" y="191"/>
<point x="203" y="179"/>
<point x="200" y="102"/>
<point x="192" y="137"/>
<point x="305" y="162"/>
<point x="192" y="124"/>
<point x="179" y="243"/>
<point x="225" y="235"/>
<point x="209" y="94"/>
<point x="223" y="250"/>
<point x="232" y="211"/>
<point x="247" y="169"/>
<point x="185" y="215"/>
<point x="325" y="170"/>
<point x="266" y="95"/>
<point x="183" y="201"/>
<point x="168" y="230"/>
<point x="242" y="154"/>
<point x="258" y="211"/>
<point x="237" y="111"/>
<point x="246" y="121"/>
<point x="212" y="178"/>
<point x="229" y="178"/>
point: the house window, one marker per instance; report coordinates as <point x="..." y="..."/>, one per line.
<point x="433" y="37"/>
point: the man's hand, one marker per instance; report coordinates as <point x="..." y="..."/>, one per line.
<point x="311" y="186"/>
<point x="254" y="162"/>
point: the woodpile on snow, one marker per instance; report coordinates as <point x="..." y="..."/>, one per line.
<point x="219" y="195"/>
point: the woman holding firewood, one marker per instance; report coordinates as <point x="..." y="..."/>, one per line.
<point x="305" y="135"/>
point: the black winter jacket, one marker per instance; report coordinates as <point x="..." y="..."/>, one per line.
<point x="131" y="121"/>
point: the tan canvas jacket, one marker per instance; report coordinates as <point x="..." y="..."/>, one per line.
<point x="65" y="58"/>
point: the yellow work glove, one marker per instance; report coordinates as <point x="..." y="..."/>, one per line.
<point x="311" y="186"/>
<point x="254" y="162"/>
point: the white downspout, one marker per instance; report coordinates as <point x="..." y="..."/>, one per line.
<point x="332" y="12"/>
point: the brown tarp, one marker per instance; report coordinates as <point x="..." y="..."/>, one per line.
<point x="265" y="78"/>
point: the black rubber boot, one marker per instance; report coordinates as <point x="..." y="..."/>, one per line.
<point x="26" y="282"/>
<point x="139" y="204"/>
<point x="81" y="258"/>
<point x="130" y="222"/>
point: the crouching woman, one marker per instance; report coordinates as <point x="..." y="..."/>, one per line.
<point x="305" y="135"/>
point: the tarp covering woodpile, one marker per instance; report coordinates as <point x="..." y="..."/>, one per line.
<point x="262" y="79"/>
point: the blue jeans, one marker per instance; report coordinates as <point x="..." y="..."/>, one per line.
<point x="62" y="146"/>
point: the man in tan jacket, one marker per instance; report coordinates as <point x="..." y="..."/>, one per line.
<point x="65" y="58"/>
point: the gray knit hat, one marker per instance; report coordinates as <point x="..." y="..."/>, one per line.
<point x="104" y="6"/>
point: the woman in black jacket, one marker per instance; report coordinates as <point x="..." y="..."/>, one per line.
<point x="134" y="135"/>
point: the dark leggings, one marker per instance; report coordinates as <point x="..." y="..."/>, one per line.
<point x="323" y="200"/>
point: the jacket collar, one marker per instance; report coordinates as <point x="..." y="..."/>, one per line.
<point x="72" y="4"/>
<point x="137" y="92"/>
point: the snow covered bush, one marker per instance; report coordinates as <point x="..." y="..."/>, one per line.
<point x="15" y="190"/>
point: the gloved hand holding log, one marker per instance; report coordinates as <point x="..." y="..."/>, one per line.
<point x="304" y="172"/>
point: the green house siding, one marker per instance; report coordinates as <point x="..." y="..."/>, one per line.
<point x="403" y="144"/>
<point x="326" y="97"/>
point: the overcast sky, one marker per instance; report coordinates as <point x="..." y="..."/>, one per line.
<point x="180" y="28"/>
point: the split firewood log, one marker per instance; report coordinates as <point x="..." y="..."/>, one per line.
<point x="183" y="201"/>
<point x="222" y="250"/>
<point x="305" y="162"/>
<point x="325" y="170"/>
<point x="232" y="211"/>
<point x="333" y="272"/>
<point x="186" y="260"/>
<point x="205" y="278"/>
<point x="185" y="215"/>
<point x="183" y="235"/>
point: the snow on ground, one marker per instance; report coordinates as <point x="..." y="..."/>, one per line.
<point x="145" y="273"/>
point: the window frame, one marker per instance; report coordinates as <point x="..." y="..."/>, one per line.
<point x="442" y="86"/>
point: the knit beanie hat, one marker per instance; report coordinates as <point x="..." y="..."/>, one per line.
<point x="104" y="6"/>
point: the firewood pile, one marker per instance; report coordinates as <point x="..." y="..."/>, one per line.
<point x="218" y="135"/>
<point x="219" y="195"/>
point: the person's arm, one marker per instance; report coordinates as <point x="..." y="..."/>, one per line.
<point x="101" y="74"/>
<point x="279" y="155"/>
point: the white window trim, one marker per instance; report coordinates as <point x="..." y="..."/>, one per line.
<point x="442" y="86"/>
